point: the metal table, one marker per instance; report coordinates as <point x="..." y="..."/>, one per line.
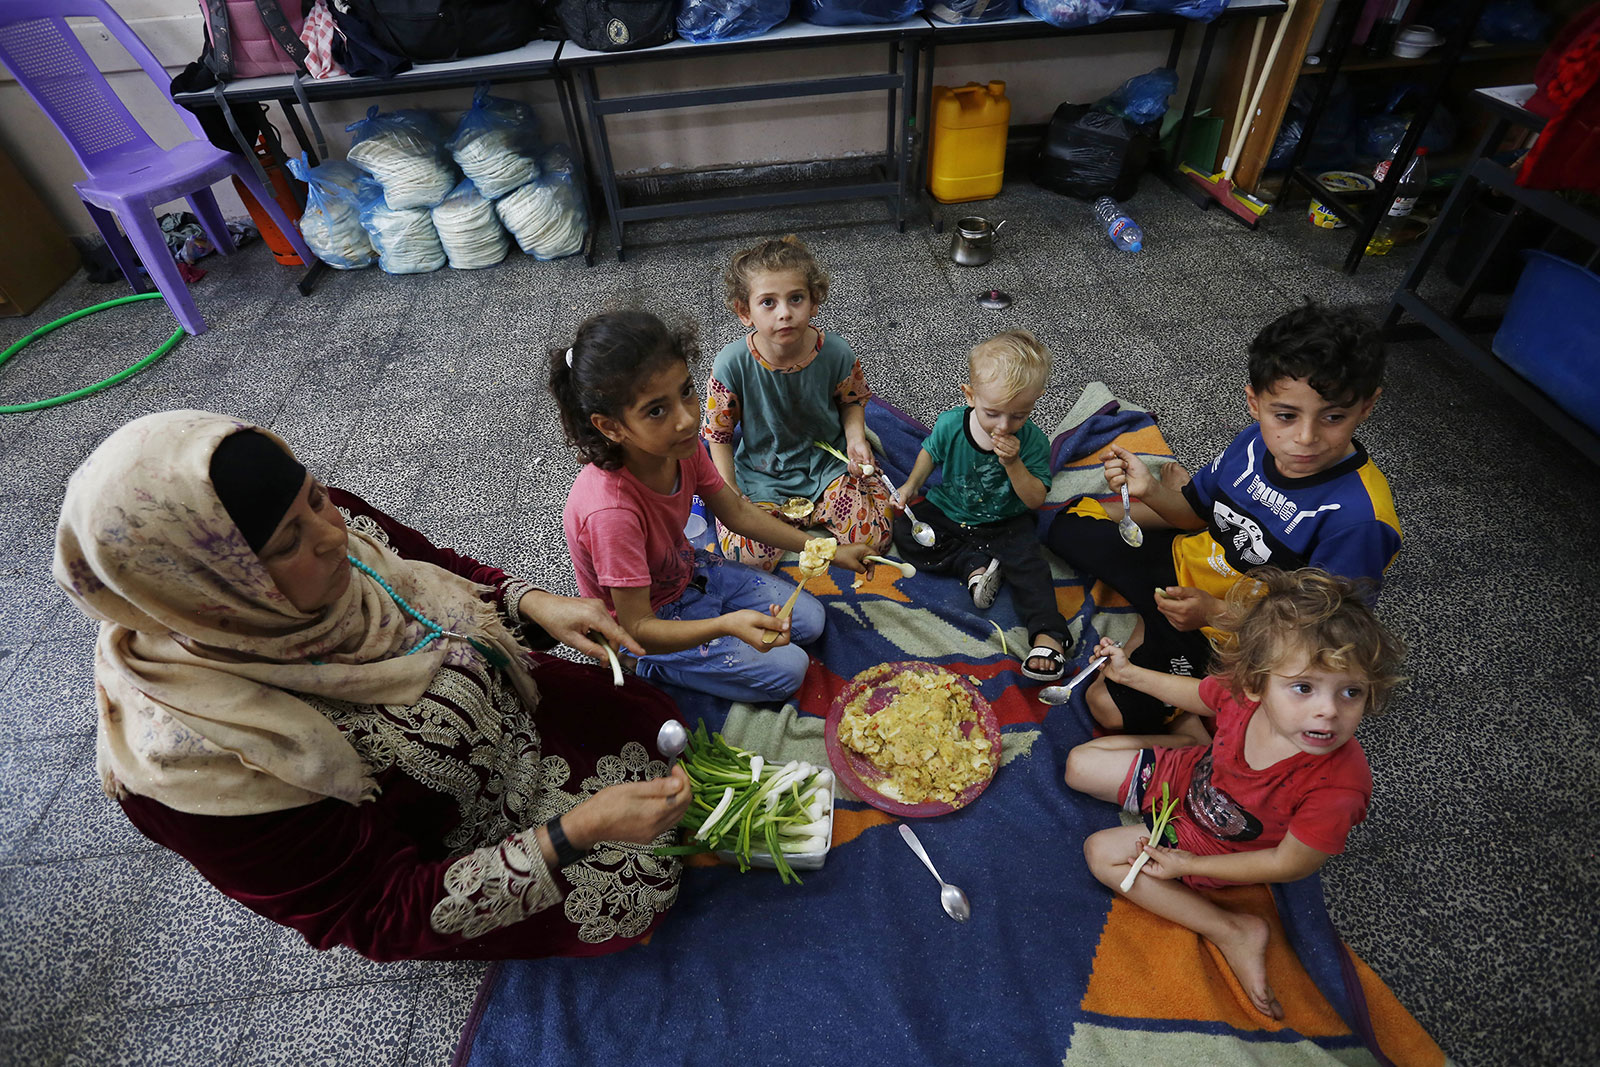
<point x="1454" y="326"/>
<point x="1026" y="27"/>
<point x="533" y="61"/>
<point x="898" y="79"/>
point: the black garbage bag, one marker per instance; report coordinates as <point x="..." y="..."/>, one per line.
<point x="1088" y="153"/>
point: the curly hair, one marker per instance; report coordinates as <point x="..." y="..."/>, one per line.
<point x="1338" y="351"/>
<point x="1015" y="360"/>
<point x="613" y="353"/>
<point x="1313" y="612"/>
<point x="770" y="256"/>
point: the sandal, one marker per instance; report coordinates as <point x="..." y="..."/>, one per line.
<point x="1058" y="664"/>
<point x="984" y="586"/>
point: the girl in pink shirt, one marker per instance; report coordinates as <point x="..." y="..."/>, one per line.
<point x="1283" y="780"/>
<point x="629" y="405"/>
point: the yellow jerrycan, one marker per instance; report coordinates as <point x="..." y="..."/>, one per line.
<point x="967" y="154"/>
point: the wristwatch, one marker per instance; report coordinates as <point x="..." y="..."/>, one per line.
<point x="566" y="853"/>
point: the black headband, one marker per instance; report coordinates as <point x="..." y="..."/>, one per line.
<point x="257" y="481"/>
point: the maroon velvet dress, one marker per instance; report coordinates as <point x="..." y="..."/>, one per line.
<point x="444" y="864"/>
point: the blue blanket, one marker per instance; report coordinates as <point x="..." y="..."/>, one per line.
<point x="859" y="964"/>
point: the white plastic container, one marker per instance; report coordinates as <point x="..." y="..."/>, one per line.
<point x="800" y="861"/>
<point x="1414" y="42"/>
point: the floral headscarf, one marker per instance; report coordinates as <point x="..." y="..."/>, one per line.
<point x="200" y="656"/>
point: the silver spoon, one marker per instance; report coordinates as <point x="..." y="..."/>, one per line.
<point x="1060" y="694"/>
<point x="671" y="740"/>
<point x="921" y="532"/>
<point x="956" y="904"/>
<point x="1131" y="534"/>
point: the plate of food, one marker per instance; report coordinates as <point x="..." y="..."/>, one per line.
<point x="913" y="739"/>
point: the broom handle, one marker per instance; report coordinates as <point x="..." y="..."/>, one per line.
<point x="1245" y="86"/>
<point x="785" y="611"/>
<point x="1261" y="86"/>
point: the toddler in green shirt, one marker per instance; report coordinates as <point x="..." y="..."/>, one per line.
<point x="995" y="466"/>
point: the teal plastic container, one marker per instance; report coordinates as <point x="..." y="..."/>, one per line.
<point x="1551" y="333"/>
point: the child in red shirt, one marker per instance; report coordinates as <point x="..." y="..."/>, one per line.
<point x="1283" y="780"/>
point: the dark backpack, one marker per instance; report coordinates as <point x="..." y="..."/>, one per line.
<point x="618" y="25"/>
<point x="429" y="31"/>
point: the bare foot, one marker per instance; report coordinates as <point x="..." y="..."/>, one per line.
<point x="1246" y="952"/>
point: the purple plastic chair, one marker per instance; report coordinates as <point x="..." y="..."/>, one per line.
<point x="128" y="173"/>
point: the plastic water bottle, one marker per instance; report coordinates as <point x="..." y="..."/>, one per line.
<point x="1122" y="230"/>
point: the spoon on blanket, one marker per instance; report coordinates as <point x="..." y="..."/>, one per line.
<point x="956" y="904"/>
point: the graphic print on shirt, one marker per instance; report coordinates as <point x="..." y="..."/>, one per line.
<point x="1242" y="532"/>
<point x="1215" y="811"/>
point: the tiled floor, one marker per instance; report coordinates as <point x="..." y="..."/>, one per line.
<point x="1470" y="888"/>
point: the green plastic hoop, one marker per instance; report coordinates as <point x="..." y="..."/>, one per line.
<point x="78" y="394"/>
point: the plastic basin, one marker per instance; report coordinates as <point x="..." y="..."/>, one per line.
<point x="1551" y="333"/>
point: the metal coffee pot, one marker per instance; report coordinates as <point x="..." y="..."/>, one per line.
<point x="972" y="242"/>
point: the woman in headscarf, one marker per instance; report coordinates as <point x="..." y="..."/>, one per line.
<point x="338" y="724"/>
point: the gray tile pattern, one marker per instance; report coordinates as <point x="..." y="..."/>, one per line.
<point x="1470" y="888"/>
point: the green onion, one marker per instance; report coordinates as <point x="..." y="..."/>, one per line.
<point x="741" y="803"/>
<point x="1164" y="813"/>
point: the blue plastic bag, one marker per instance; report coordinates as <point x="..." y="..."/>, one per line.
<point x="728" y="20"/>
<point x="404" y="152"/>
<point x="1069" y="14"/>
<point x="855" y="12"/>
<point x="496" y="144"/>
<point x="1142" y="99"/>
<point x="404" y="238"/>
<point x="1512" y="22"/>
<point x="964" y="11"/>
<point x="1203" y="10"/>
<point x="546" y="216"/>
<point x="331" y="222"/>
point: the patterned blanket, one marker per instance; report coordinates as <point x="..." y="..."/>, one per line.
<point x="860" y="965"/>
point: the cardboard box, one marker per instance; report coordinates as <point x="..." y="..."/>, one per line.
<point x="36" y="257"/>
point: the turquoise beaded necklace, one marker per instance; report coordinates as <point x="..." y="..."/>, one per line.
<point x="434" y="630"/>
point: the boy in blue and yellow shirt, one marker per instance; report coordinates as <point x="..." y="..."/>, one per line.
<point x="995" y="466"/>
<point x="1295" y="489"/>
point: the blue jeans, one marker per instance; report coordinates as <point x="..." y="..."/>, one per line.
<point x="727" y="667"/>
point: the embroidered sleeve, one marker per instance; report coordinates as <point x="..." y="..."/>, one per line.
<point x="721" y="417"/>
<point x="854" y="389"/>
<point x="511" y="592"/>
<point x="494" y="887"/>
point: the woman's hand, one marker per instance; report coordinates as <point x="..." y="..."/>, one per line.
<point x="860" y="454"/>
<point x="752" y="627"/>
<point x="1116" y="659"/>
<point x="636" y="812"/>
<point x="1123" y="466"/>
<point x="1187" y="608"/>
<point x="571" y="620"/>
<point x="1164" y="863"/>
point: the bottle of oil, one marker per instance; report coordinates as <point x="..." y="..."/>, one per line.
<point x="1412" y="183"/>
